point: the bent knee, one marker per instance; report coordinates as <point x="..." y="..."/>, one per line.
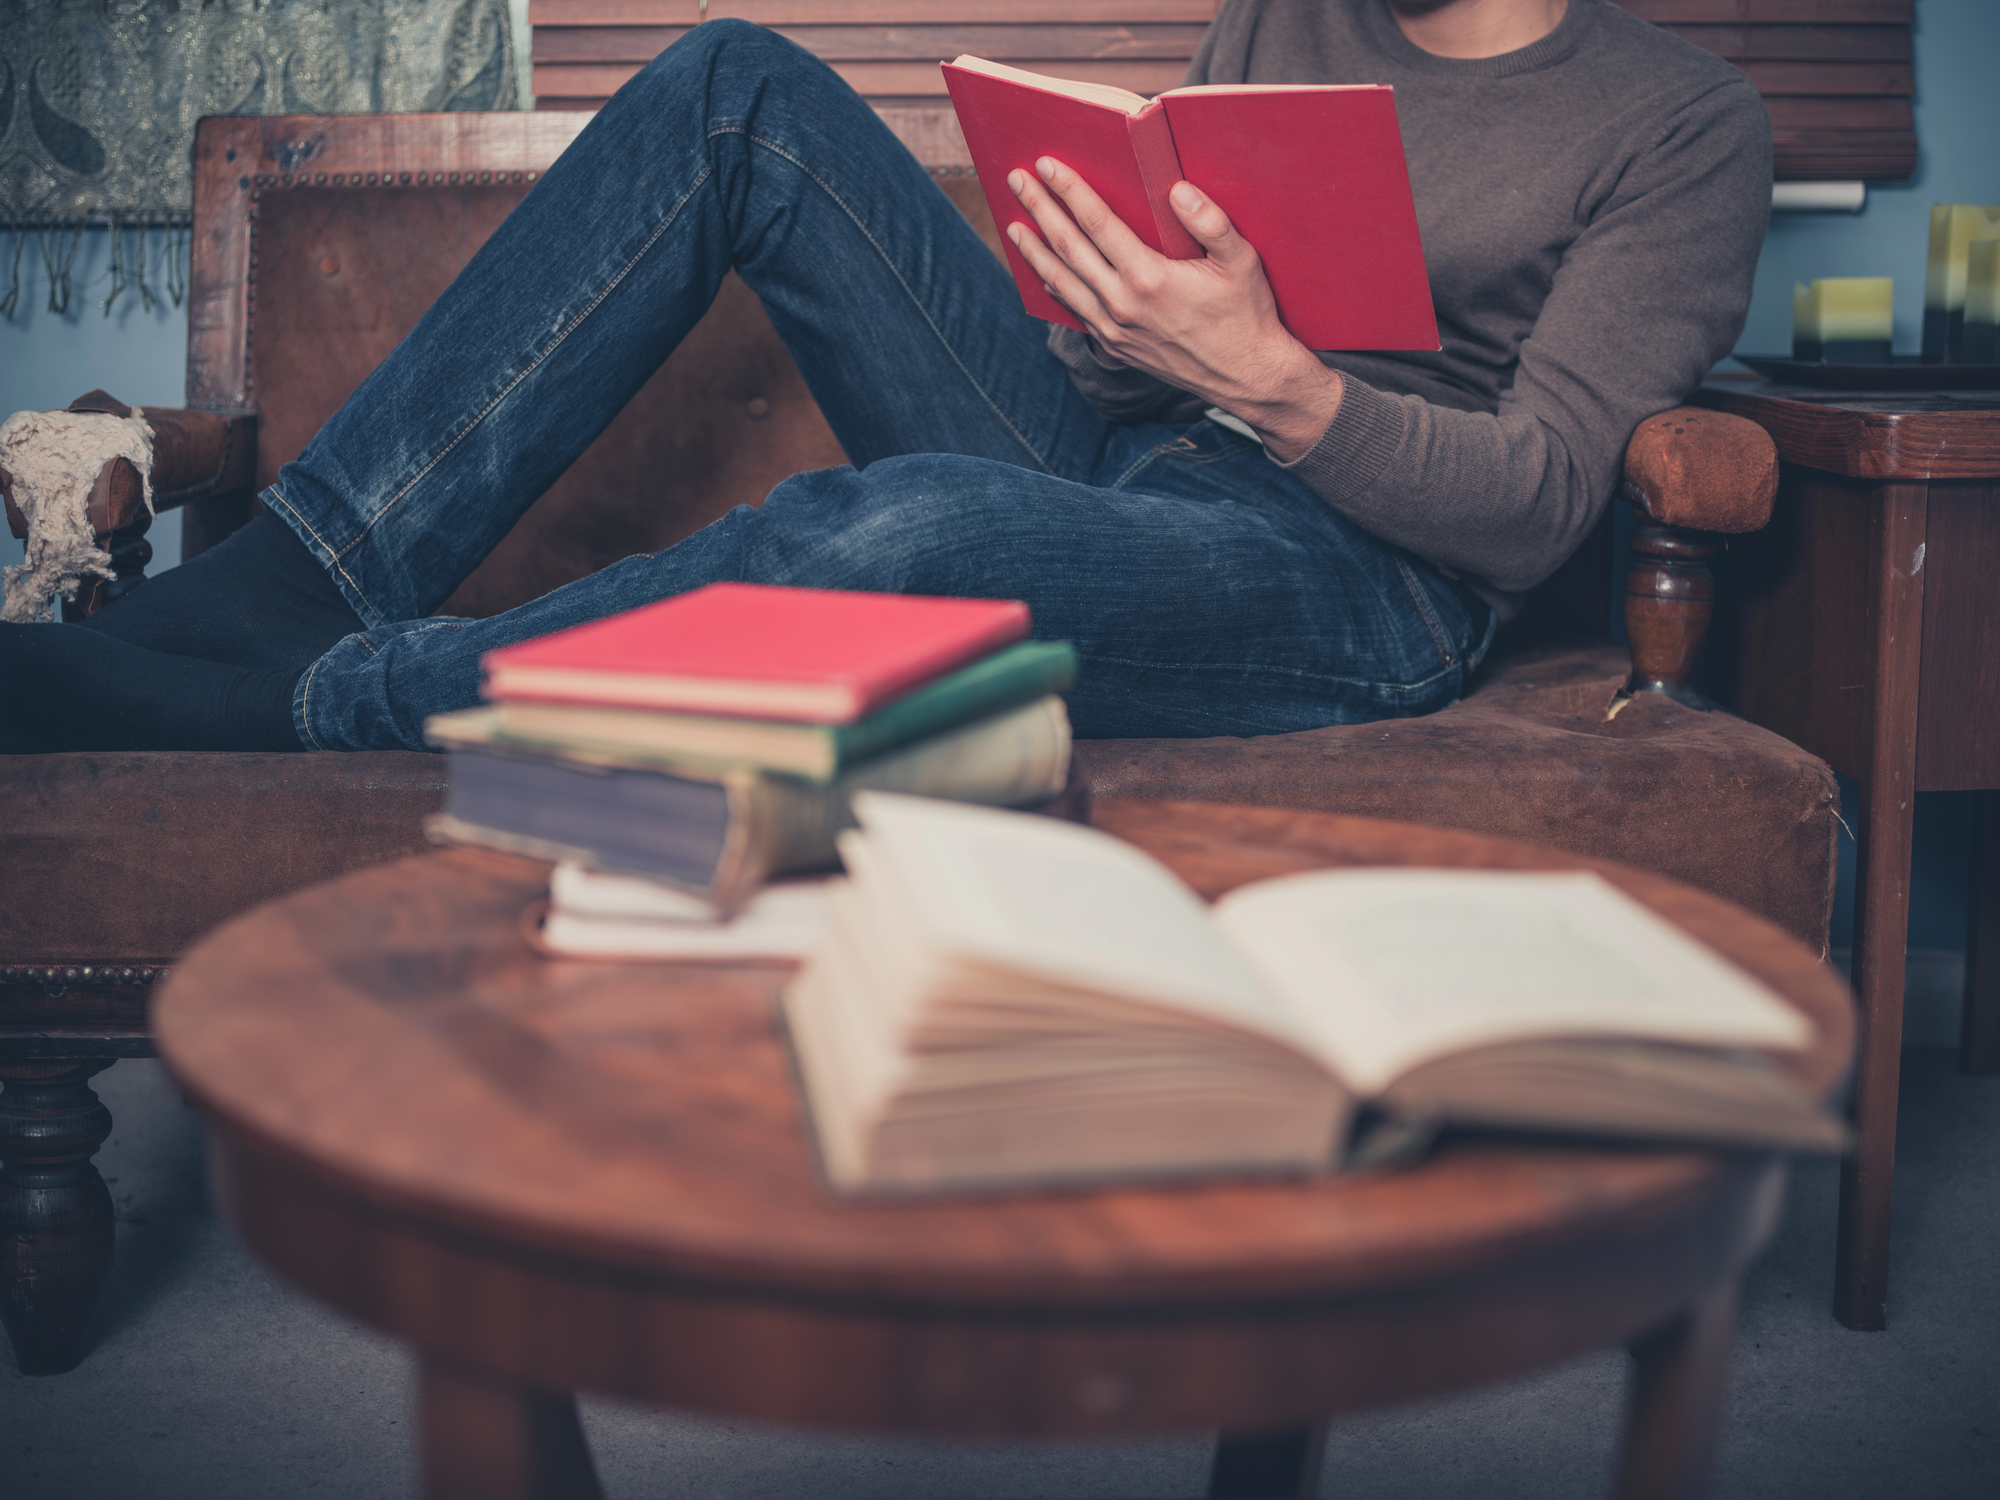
<point x="760" y="51"/>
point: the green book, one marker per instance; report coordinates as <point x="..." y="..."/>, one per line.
<point x="813" y="752"/>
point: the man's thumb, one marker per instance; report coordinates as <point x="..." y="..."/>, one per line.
<point x="1206" y="222"/>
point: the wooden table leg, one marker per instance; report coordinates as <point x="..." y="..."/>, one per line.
<point x="484" y="1437"/>
<point x="1673" y="1421"/>
<point x="1882" y="900"/>
<point x="56" y="1229"/>
<point x="1268" y="1465"/>
<point x="1979" y="1033"/>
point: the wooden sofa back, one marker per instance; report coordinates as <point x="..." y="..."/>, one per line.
<point x="320" y="240"/>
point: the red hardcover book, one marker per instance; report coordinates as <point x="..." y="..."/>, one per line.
<point x="814" y="656"/>
<point x="1312" y="175"/>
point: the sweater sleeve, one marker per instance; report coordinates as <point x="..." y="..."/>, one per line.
<point x="1119" y="392"/>
<point x="1646" y="299"/>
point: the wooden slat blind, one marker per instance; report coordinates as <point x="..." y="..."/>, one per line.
<point x="1835" y="74"/>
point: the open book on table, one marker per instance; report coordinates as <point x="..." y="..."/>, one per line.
<point x="1312" y="175"/>
<point x="1013" y="1001"/>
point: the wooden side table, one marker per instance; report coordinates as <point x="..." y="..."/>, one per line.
<point x="1868" y="632"/>
<point x="549" y="1176"/>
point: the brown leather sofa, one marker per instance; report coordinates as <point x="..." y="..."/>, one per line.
<point x="319" y="241"/>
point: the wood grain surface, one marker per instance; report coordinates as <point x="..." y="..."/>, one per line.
<point x="597" y="1174"/>
<point x="1870" y="435"/>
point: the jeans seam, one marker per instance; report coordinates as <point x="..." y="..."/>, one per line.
<point x="1144" y="460"/>
<point x="535" y="363"/>
<point x="303" y="718"/>
<point x="776" y="149"/>
<point x="1439" y="636"/>
<point x="333" y="557"/>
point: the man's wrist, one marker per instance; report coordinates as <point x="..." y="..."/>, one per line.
<point x="1294" y="419"/>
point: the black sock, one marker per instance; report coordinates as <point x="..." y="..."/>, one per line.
<point x="64" y="688"/>
<point x="257" y="599"/>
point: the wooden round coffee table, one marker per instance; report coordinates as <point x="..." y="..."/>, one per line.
<point x="549" y="1176"/>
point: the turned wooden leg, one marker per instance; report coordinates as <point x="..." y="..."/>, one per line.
<point x="1273" y="1465"/>
<point x="1882" y="903"/>
<point x="1674" y="1417"/>
<point x="55" y="1211"/>
<point x="1669" y="602"/>
<point x="486" y="1438"/>
<point x="1979" y="1033"/>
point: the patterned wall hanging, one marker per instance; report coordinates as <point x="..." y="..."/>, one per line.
<point x="99" y="100"/>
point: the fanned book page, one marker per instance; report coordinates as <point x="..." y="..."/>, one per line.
<point x="1391" y="968"/>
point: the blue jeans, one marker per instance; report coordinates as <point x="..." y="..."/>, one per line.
<point x="1207" y="590"/>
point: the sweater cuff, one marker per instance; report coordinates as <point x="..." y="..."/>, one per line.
<point x="1364" y="435"/>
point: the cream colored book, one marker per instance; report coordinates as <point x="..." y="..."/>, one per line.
<point x="1007" y="1002"/>
<point x="596" y="914"/>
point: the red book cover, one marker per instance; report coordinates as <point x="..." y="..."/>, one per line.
<point x="1313" y="176"/>
<point x="817" y="656"/>
<point x="1129" y="159"/>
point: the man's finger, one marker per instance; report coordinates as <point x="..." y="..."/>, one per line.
<point x="1058" y="230"/>
<point x="1062" y="283"/>
<point x="1204" y="219"/>
<point x="1112" y="236"/>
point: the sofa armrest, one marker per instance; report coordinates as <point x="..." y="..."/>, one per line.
<point x="196" y="454"/>
<point x="1689" y="474"/>
<point x="1702" y="470"/>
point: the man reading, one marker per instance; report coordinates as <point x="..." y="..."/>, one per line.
<point x="1241" y="535"/>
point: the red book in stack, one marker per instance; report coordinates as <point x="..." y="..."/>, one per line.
<point x="815" y="656"/>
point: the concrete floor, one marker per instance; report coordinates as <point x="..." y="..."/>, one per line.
<point x="210" y="1379"/>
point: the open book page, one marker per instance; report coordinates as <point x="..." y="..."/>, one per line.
<point x="1109" y="96"/>
<point x="1391" y="968"/>
<point x="1066" y="905"/>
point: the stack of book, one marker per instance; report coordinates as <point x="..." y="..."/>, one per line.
<point x="713" y="740"/>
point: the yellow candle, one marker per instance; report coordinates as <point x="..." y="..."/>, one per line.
<point x="1844" y="319"/>
<point x="1981" y="344"/>
<point x="1955" y="229"/>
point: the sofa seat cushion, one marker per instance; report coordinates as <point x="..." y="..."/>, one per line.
<point x="1537" y="752"/>
<point x="129" y="857"/>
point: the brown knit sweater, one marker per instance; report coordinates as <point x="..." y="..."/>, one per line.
<point x="1592" y="207"/>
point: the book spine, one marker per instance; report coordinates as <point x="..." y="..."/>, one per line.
<point x="1160" y="168"/>
<point x="1020" y="674"/>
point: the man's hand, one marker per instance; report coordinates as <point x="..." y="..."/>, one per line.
<point x="1208" y="326"/>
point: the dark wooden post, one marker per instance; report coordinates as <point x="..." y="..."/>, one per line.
<point x="1979" y="1034"/>
<point x="1674" y="1414"/>
<point x="1277" y="1465"/>
<point x="1669" y="602"/>
<point x="130" y="552"/>
<point x="1691" y="476"/>
<point x="484" y="1437"/>
<point x="55" y="1211"/>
